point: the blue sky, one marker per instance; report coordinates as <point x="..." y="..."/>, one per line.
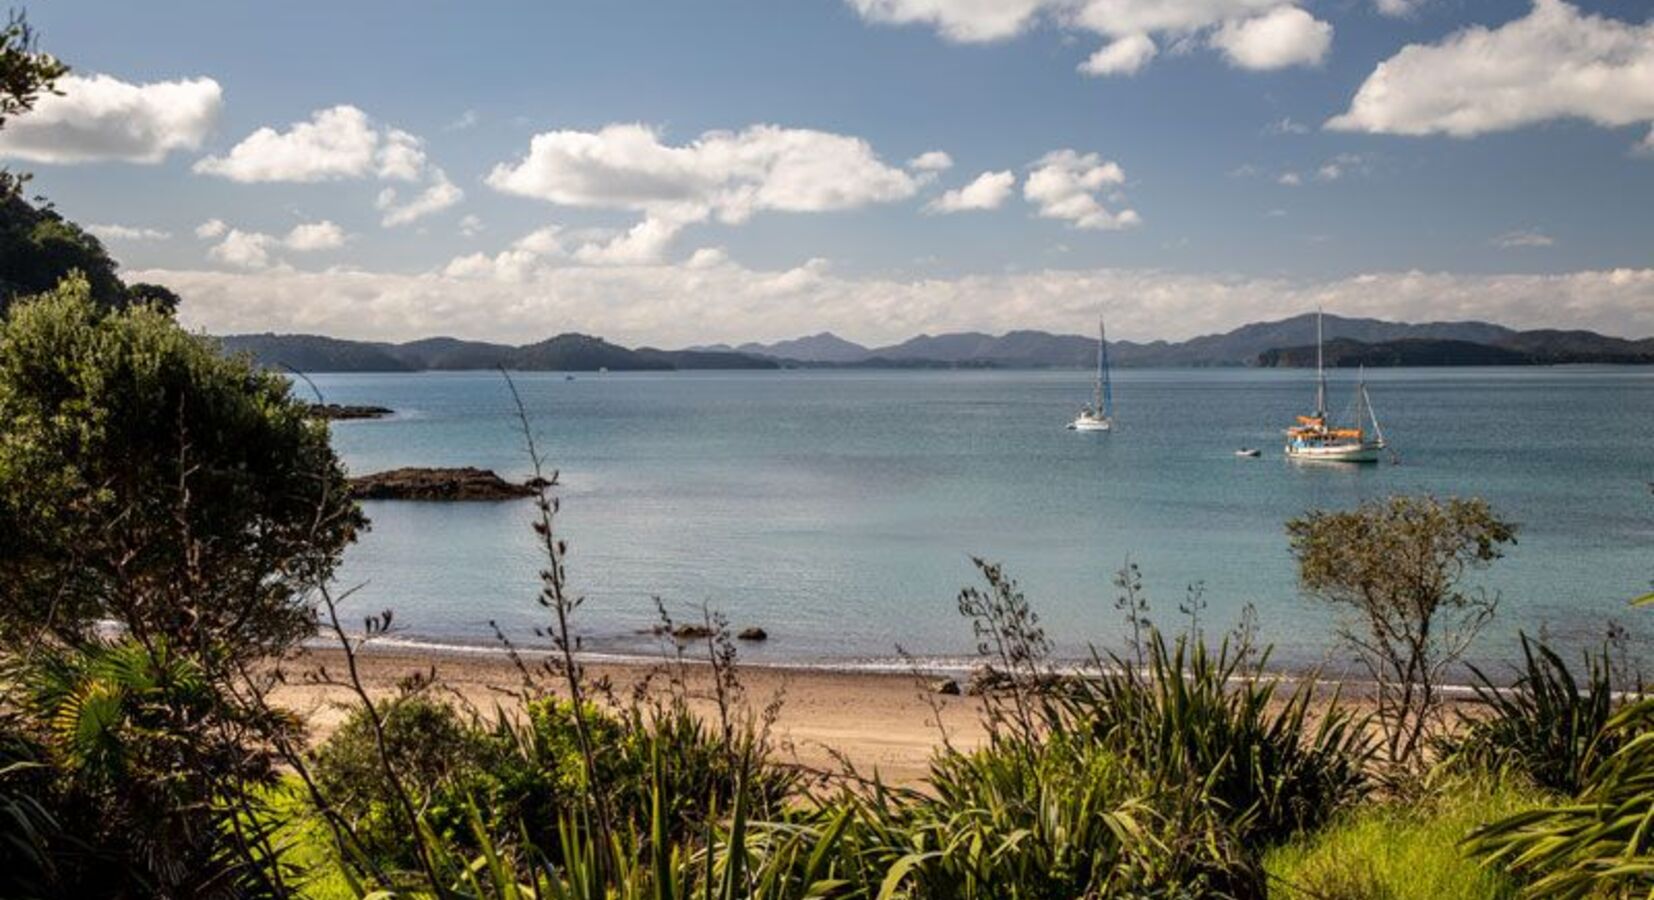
<point x="1517" y="194"/>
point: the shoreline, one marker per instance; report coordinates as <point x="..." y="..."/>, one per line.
<point x="883" y="722"/>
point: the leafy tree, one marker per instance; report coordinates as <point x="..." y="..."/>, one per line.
<point x="38" y="247"/>
<point x="25" y="72"/>
<point x="1398" y="565"/>
<point x="145" y="478"/>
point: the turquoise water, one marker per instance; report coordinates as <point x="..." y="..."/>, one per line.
<point x="839" y="510"/>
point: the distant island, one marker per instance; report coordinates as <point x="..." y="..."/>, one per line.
<point x="1288" y="342"/>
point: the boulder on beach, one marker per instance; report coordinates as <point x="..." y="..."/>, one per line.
<point x="415" y="483"/>
<point x="344" y="411"/>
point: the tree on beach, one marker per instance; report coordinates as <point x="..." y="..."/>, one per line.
<point x="1398" y="565"/>
<point x="149" y="480"/>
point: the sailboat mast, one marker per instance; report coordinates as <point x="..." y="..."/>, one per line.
<point x="1106" y="384"/>
<point x="1320" y="373"/>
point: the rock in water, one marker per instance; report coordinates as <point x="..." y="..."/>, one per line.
<point x="337" y="411"/>
<point x="436" y="484"/>
<point x="753" y="634"/>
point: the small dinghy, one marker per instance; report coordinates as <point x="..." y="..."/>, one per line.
<point x="1249" y="452"/>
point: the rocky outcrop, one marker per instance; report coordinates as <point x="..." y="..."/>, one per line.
<point x="437" y="484"/>
<point x="338" y="411"/>
<point x="753" y="634"/>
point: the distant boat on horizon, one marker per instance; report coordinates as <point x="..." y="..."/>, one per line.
<point x="1313" y="438"/>
<point x="1099" y="416"/>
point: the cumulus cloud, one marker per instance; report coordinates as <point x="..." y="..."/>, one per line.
<point x="323" y="235"/>
<point x="987" y="191"/>
<point x="1554" y="63"/>
<point x="677" y="305"/>
<point x="470" y="225"/>
<point x="1283" y="37"/>
<point x="721" y="174"/>
<point x="1066" y="185"/>
<point x="253" y="249"/>
<point x="1123" y="56"/>
<point x="211" y="228"/>
<point x="966" y="21"/>
<point x="440" y="195"/>
<point x="1254" y="34"/>
<point x="726" y="174"/>
<point x="931" y="161"/>
<point x="1529" y="237"/>
<point x="103" y="119"/>
<point x="1397" y="9"/>
<point x="128" y="233"/>
<point x="335" y="144"/>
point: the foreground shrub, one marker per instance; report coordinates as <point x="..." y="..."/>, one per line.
<point x="1546" y="726"/>
<point x="1600" y="842"/>
<point x="1398" y="566"/>
<point x="1397" y="851"/>
<point x="146" y="479"/>
<point x="149" y="774"/>
<point x="1269" y="767"/>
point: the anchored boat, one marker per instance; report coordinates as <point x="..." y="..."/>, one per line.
<point x="1099" y="416"/>
<point x="1315" y="438"/>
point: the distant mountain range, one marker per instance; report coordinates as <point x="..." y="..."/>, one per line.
<point x="1350" y="341"/>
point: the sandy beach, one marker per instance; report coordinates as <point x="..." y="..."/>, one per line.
<point x="881" y="722"/>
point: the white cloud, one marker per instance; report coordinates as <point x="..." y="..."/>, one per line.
<point x="1065" y="185"/>
<point x="987" y="191"/>
<point x="681" y="305"/>
<point x="727" y="174"/>
<point x="645" y="243"/>
<point x="707" y="258"/>
<point x="1283" y="37"/>
<point x="931" y="161"/>
<point x="1553" y="63"/>
<point x="440" y="195"/>
<point x="1264" y="33"/>
<point x="1290" y="179"/>
<point x="335" y="144"/>
<point x="1397" y="9"/>
<point x="243" y="249"/>
<point x="253" y="249"/>
<point x="470" y="225"/>
<point x="1530" y="237"/>
<point x="1646" y="146"/>
<point x="1123" y="56"/>
<point x="323" y="235"/>
<point x="103" y="119"/>
<point x="966" y="21"/>
<point x="128" y="233"/>
<point x="211" y="228"/>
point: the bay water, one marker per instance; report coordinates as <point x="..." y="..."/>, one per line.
<point x="840" y="510"/>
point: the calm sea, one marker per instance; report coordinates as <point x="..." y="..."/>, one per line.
<point x="840" y="510"/>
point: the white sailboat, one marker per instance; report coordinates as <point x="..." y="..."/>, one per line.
<point x="1099" y="416"/>
<point x="1313" y="438"/>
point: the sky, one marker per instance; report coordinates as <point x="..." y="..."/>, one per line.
<point x="685" y="172"/>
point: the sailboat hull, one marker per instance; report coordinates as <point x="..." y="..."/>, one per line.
<point x="1091" y="423"/>
<point x="1364" y="452"/>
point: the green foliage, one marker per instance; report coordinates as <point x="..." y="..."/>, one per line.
<point x="435" y="752"/>
<point x="1401" y="851"/>
<point x="25" y="72"/>
<point x="151" y="481"/>
<point x="1598" y="843"/>
<point x="1192" y="715"/>
<point x="39" y="248"/>
<point x="149" y="765"/>
<point x="1398" y="567"/>
<point x="1543" y="726"/>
